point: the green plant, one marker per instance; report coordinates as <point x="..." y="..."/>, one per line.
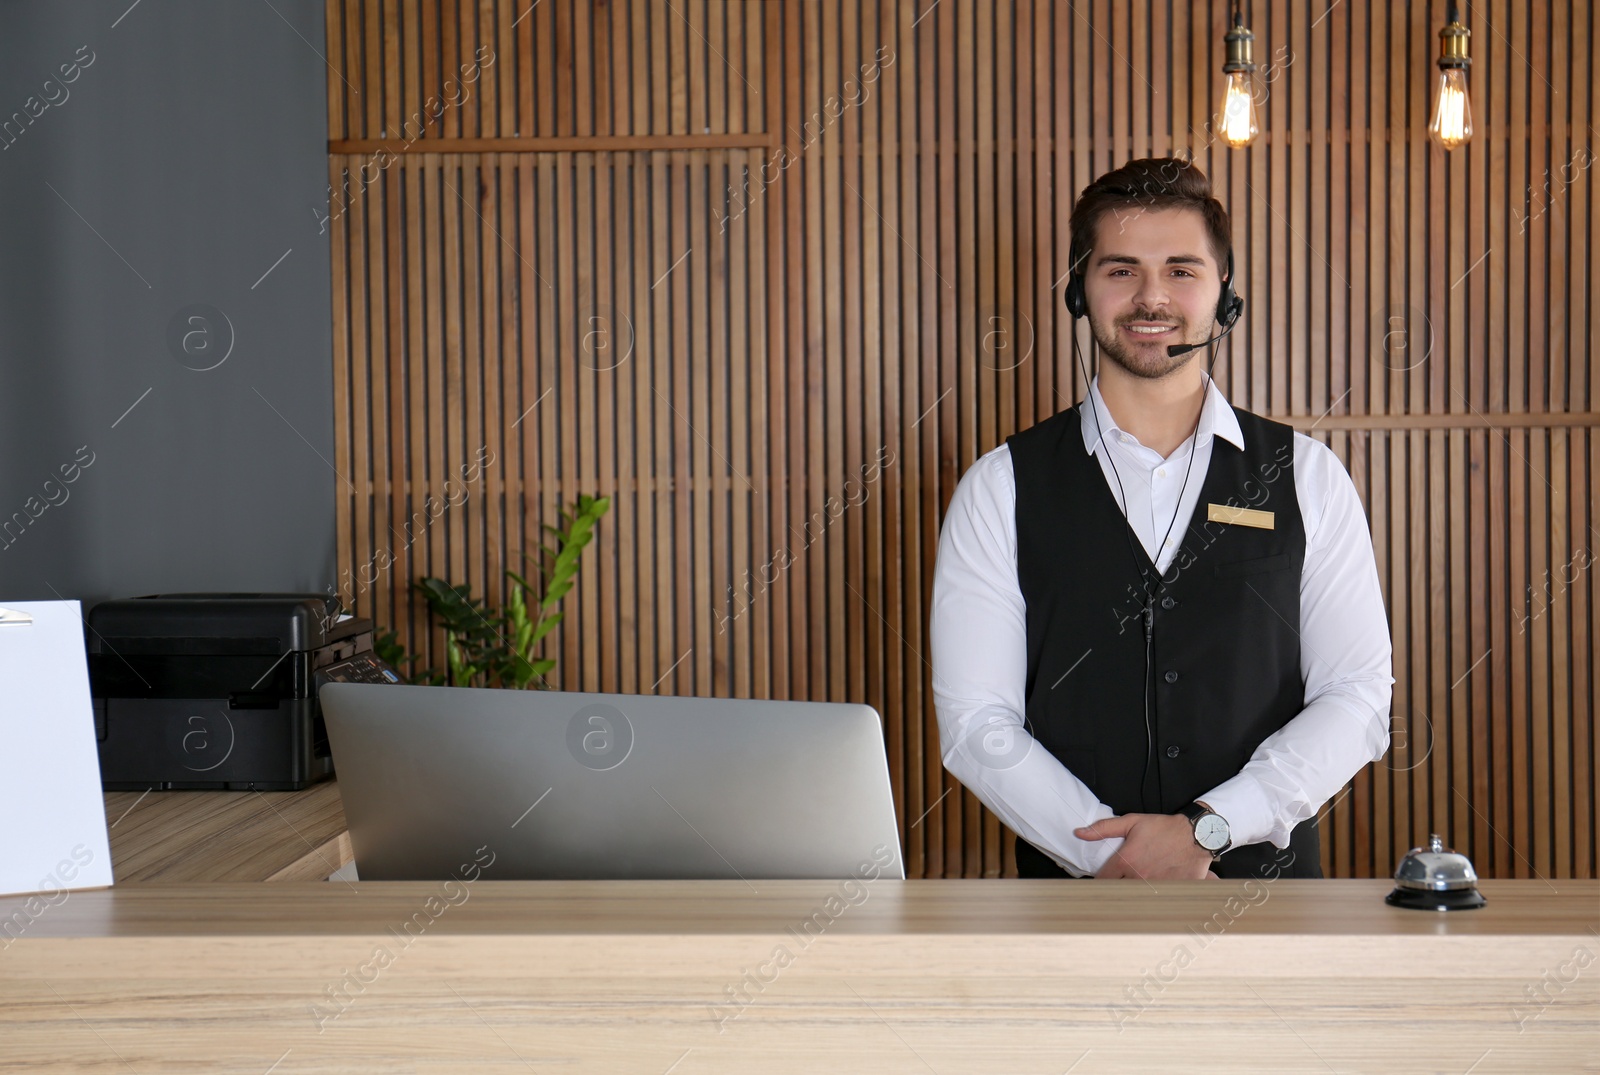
<point x="489" y="647"/>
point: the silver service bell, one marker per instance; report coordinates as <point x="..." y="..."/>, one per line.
<point x="1435" y="879"/>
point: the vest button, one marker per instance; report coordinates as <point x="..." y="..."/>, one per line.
<point x="1173" y="752"/>
<point x="1168" y="602"/>
<point x="1172" y="677"/>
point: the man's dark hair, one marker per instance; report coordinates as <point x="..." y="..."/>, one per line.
<point x="1151" y="183"/>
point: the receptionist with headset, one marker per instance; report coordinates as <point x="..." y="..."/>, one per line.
<point x="1159" y="644"/>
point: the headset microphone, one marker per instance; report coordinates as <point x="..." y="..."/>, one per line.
<point x="1176" y="349"/>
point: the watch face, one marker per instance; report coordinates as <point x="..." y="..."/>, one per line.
<point x="1211" y="832"/>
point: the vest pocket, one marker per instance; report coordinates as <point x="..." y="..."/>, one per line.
<point x="1255" y="566"/>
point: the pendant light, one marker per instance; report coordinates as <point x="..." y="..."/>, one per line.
<point x="1238" y="113"/>
<point x="1452" y="109"/>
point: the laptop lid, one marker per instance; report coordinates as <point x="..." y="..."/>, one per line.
<point x="567" y="785"/>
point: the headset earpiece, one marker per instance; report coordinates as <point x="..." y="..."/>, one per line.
<point x="1077" y="306"/>
<point x="1229" y="304"/>
<point x="1077" y="302"/>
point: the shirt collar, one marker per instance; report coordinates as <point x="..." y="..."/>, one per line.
<point x="1216" y="419"/>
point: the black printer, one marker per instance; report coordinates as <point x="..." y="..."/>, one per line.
<point x="220" y="690"/>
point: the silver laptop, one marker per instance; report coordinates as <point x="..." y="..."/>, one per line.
<point x="442" y="782"/>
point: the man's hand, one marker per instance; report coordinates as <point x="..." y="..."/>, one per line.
<point x="1154" y="846"/>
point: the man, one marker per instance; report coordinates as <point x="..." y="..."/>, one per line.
<point x="1159" y="644"/>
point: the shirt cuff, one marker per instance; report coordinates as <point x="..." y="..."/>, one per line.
<point x="1247" y="810"/>
<point x="1096" y="853"/>
<point x="1092" y="854"/>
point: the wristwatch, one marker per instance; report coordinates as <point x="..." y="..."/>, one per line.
<point x="1210" y="829"/>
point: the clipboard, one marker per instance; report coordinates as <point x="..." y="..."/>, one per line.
<point x="54" y="812"/>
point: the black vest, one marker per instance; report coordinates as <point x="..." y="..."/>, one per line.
<point x="1223" y="645"/>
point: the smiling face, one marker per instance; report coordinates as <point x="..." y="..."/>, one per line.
<point x="1151" y="282"/>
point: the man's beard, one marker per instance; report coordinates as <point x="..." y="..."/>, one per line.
<point x="1149" y="362"/>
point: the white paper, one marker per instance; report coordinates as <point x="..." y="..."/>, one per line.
<point x="53" y="835"/>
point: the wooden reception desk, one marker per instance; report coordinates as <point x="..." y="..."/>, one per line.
<point x="801" y="976"/>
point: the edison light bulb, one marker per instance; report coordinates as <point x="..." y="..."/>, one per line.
<point x="1239" y="126"/>
<point x="1452" y="112"/>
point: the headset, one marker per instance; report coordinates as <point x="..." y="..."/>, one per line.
<point x="1229" y="309"/>
<point x="1229" y="305"/>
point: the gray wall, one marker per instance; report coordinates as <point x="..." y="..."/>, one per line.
<point x="142" y="206"/>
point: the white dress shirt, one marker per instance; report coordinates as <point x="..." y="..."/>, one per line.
<point x="978" y="633"/>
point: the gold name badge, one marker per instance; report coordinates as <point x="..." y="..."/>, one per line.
<point x="1222" y="513"/>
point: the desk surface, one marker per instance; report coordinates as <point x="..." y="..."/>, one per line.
<point x="886" y="977"/>
<point x="178" y="836"/>
<point x="1329" y="909"/>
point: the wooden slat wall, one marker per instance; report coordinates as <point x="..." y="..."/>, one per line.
<point x="685" y="254"/>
